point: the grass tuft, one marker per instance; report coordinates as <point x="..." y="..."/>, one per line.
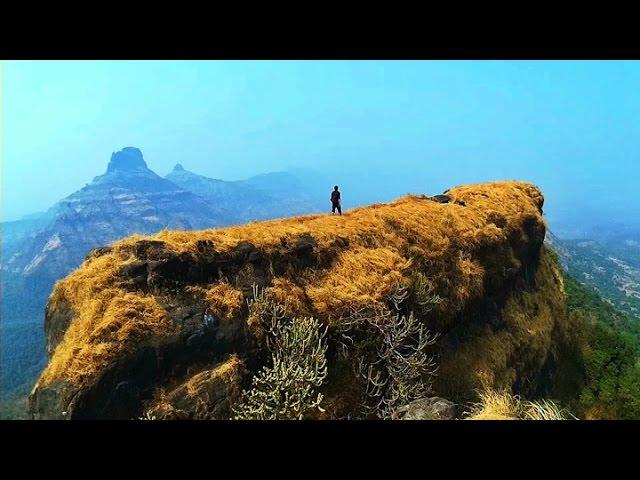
<point x="502" y="405"/>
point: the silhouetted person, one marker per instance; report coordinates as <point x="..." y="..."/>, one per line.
<point x="335" y="201"/>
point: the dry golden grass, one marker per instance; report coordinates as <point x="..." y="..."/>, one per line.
<point x="502" y="405"/>
<point x="109" y="321"/>
<point x="545" y="410"/>
<point x="227" y="372"/>
<point x="285" y="292"/>
<point x="529" y="320"/>
<point x="223" y="300"/>
<point x="386" y="243"/>
<point x="412" y="218"/>
<point x="495" y="405"/>
<point x="198" y="393"/>
<point x="161" y="407"/>
<point x="109" y="324"/>
<point x="361" y="277"/>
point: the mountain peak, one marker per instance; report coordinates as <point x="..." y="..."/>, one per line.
<point x="127" y="159"/>
<point x="178" y="168"/>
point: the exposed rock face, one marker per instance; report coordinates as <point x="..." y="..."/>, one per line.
<point x="441" y="198"/>
<point x="500" y="320"/>
<point x="129" y="198"/>
<point x="55" y="326"/>
<point x="127" y="159"/>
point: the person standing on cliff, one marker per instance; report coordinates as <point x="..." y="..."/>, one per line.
<point x="335" y="201"/>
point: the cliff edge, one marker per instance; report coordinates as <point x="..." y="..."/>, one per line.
<point x="161" y="323"/>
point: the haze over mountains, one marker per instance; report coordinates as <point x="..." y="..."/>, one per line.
<point x="258" y="198"/>
<point x="128" y="198"/>
<point x="610" y="263"/>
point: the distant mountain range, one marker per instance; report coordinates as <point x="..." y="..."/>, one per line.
<point x="258" y="198"/>
<point x="128" y="198"/>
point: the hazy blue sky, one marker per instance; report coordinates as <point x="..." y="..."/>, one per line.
<point x="571" y="127"/>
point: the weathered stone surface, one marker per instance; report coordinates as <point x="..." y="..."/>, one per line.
<point x="53" y="402"/>
<point x="441" y="198"/>
<point x="127" y="159"/>
<point x="432" y="408"/>
<point x="57" y="321"/>
<point x="98" y="252"/>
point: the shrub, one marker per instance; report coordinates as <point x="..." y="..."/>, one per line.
<point x="402" y="371"/>
<point x="287" y="389"/>
<point x="390" y="356"/>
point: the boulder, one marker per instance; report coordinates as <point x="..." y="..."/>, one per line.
<point x="432" y="408"/>
<point x="441" y="198"/>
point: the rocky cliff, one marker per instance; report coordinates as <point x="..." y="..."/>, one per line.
<point x="127" y="198"/>
<point x="161" y="323"/>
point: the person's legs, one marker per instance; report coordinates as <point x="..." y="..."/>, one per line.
<point x="333" y="209"/>
<point x="339" y="209"/>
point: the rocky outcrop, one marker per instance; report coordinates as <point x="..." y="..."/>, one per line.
<point x="127" y="198"/>
<point x="128" y="159"/>
<point x="156" y="319"/>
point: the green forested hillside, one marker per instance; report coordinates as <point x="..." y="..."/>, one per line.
<point x="607" y="356"/>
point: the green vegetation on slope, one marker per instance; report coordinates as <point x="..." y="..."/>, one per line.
<point x="14" y="406"/>
<point x="609" y="356"/>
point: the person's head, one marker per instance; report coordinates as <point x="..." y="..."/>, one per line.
<point x="335" y="187"/>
